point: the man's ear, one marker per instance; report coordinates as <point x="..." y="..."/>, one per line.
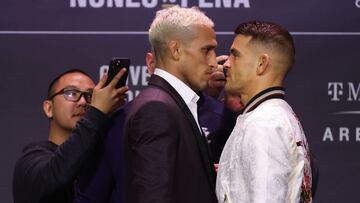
<point x="175" y="50"/>
<point x="150" y="62"/>
<point x="48" y="108"/>
<point x="263" y="64"/>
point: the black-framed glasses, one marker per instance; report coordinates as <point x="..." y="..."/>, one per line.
<point x="74" y="95"/>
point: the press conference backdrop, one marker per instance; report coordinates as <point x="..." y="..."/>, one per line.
<point x="41" y="38"/>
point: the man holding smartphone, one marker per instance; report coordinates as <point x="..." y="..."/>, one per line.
<point x="77" y="110"/>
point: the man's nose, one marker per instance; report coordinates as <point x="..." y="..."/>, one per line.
<point x="82" y="100"/>
<point x="212" y="61"/>
<point x="227" y="64"/>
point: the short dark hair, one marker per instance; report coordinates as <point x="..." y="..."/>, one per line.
<point x="51" y="90"/>
<point x="270" y="34"/>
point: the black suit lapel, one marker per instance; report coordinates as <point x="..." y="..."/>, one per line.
<point x="201" y="142"/>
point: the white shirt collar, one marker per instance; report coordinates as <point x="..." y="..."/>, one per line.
<point x="187" y="94"/>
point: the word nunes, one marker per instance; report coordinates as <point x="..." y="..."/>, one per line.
<point x="155" y="3"/>
<point x="337" y="90"/>
<point x="137" y="79"/>
<point x="343" y="135"/>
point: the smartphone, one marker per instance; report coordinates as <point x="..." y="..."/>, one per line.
<point x="116" y="64"/>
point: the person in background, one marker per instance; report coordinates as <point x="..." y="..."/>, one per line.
<point x="78" y="114"/>
<point x="216" y="87"/>
<point x="266" y="158"/>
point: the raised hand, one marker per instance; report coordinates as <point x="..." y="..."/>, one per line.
<point x="108" y="98"/>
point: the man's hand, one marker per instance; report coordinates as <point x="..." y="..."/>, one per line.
<point x="107" y="99"/>
<point x="233" y="102"/>
<point x="216" y="166"/>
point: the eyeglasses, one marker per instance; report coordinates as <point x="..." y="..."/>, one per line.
<point x="73" y="95"/>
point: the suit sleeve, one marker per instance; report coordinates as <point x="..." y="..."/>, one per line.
<point x="39" y="172"/>
<point x="152" y="140"/>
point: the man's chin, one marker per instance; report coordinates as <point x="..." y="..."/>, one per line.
<point x="228" y="88"/>
<point x="76" y="118"/>
<point x="202" y="87"/>
<point x="197" y="87"/>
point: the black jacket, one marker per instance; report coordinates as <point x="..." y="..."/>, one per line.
<point x="46" y="172"/>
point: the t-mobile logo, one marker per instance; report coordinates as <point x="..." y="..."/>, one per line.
<point x="336" y="90"/>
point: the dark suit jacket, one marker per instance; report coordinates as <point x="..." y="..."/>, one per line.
<point x="217" y="122"/>
<point x="101" y="180"/>
<point x="166" y="156"/>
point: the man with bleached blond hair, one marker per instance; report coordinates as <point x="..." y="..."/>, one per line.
<point x="166" y="154"/>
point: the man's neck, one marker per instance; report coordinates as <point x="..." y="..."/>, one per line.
<point x="268" y="93"/>
<point x="256" y="89"/>
<point x="58" y="136"/>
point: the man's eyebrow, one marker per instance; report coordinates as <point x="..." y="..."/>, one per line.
<point x="234" y="51"/>
<point x="209" y="46"/>
<point x="71" y="87"/>
<point x="77" y="88"/>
